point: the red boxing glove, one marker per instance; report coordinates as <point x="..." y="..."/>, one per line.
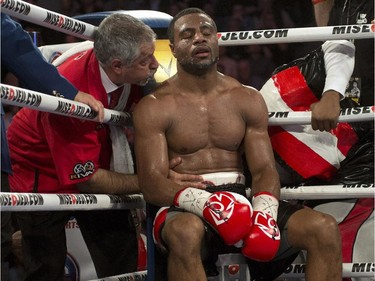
<point x="263" y="241"/>
<point x="228" y="213"/>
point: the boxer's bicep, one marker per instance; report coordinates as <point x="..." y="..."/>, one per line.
<point x="151" y="151"/>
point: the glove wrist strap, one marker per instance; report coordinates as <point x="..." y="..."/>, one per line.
<point x="265" y="202"/>
<point x="192" y="200"/>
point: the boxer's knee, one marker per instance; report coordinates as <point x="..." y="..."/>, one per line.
<point x="309" y="230"/>
<point x="329" y="234"/>
<point x="184" y="234"/>
<point x="322" y="232"/>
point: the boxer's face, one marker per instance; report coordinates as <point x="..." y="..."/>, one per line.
<point x="195" y="42"/>
<point x="143" y="67"/>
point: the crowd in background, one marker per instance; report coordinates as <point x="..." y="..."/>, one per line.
<point x="250" y="64"/>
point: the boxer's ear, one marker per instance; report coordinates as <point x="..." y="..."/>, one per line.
<point x="171" y="46"/>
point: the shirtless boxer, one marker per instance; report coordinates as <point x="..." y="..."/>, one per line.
<point x="210" y="120"/>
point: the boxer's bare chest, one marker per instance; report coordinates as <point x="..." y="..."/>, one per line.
<point x="206" y="122"/>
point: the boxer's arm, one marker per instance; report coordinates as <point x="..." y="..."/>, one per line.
<point x="263" y="241"/>
<point x="151" y="152"/>
<point x="257" y="145"/>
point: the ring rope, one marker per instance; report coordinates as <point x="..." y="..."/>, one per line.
<point x="296" y="35"/>
<point x="342" y="191"/>
<point x="354" y="114"/>
<point x="14" y="201"/>
<point x="357" y="269"/>
<point x="35" y="100"/>
<point x="37" y="15"/>
<point x="34" y="14"/>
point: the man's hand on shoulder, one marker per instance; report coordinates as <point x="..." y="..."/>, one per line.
<point x="96" y="105"/>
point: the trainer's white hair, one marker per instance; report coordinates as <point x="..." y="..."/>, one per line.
<point x="120" y="36"/>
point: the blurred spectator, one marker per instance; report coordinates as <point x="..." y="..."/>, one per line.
<point x="261" y="62"/>
<point x="209" y="7"/>
<point x="69" y="7"/>
<point x="275" y="18"/>
<point x="90" y="6"/>
<point x="245" y="75"/>
<point x="226" y="64"/>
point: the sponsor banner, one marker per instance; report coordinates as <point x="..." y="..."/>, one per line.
<point x="12" y="201"/>
<point x="35" y="100"/>
<point x="32" y="13"/>
<point x="296" y="35"/>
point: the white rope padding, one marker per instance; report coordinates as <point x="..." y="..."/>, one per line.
<point x="16" y="96"/>
<point x="354" y="114"/>
<point x="34" y="14"/>
<point x="68" y="25"/>
<point x="296" y="35"/>
<point x="35" y="100"/>
<point x="357" y="269"/>
<point x="328" y="191"/>
<point x="14" y="201"/>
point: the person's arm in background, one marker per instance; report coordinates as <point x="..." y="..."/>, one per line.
<point x="339" y="64"/>
<point x="322" y="9"/>
<point x="22" y="58"/>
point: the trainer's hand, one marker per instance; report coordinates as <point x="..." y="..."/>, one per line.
<point x="185" y="180"/>
<point x="96" y="105"/>
<point x="325" y="113"/>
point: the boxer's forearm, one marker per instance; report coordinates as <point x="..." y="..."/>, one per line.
<point x="108" y="182"/>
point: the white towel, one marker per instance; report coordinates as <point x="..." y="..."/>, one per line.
<point x="122" y="159"/>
